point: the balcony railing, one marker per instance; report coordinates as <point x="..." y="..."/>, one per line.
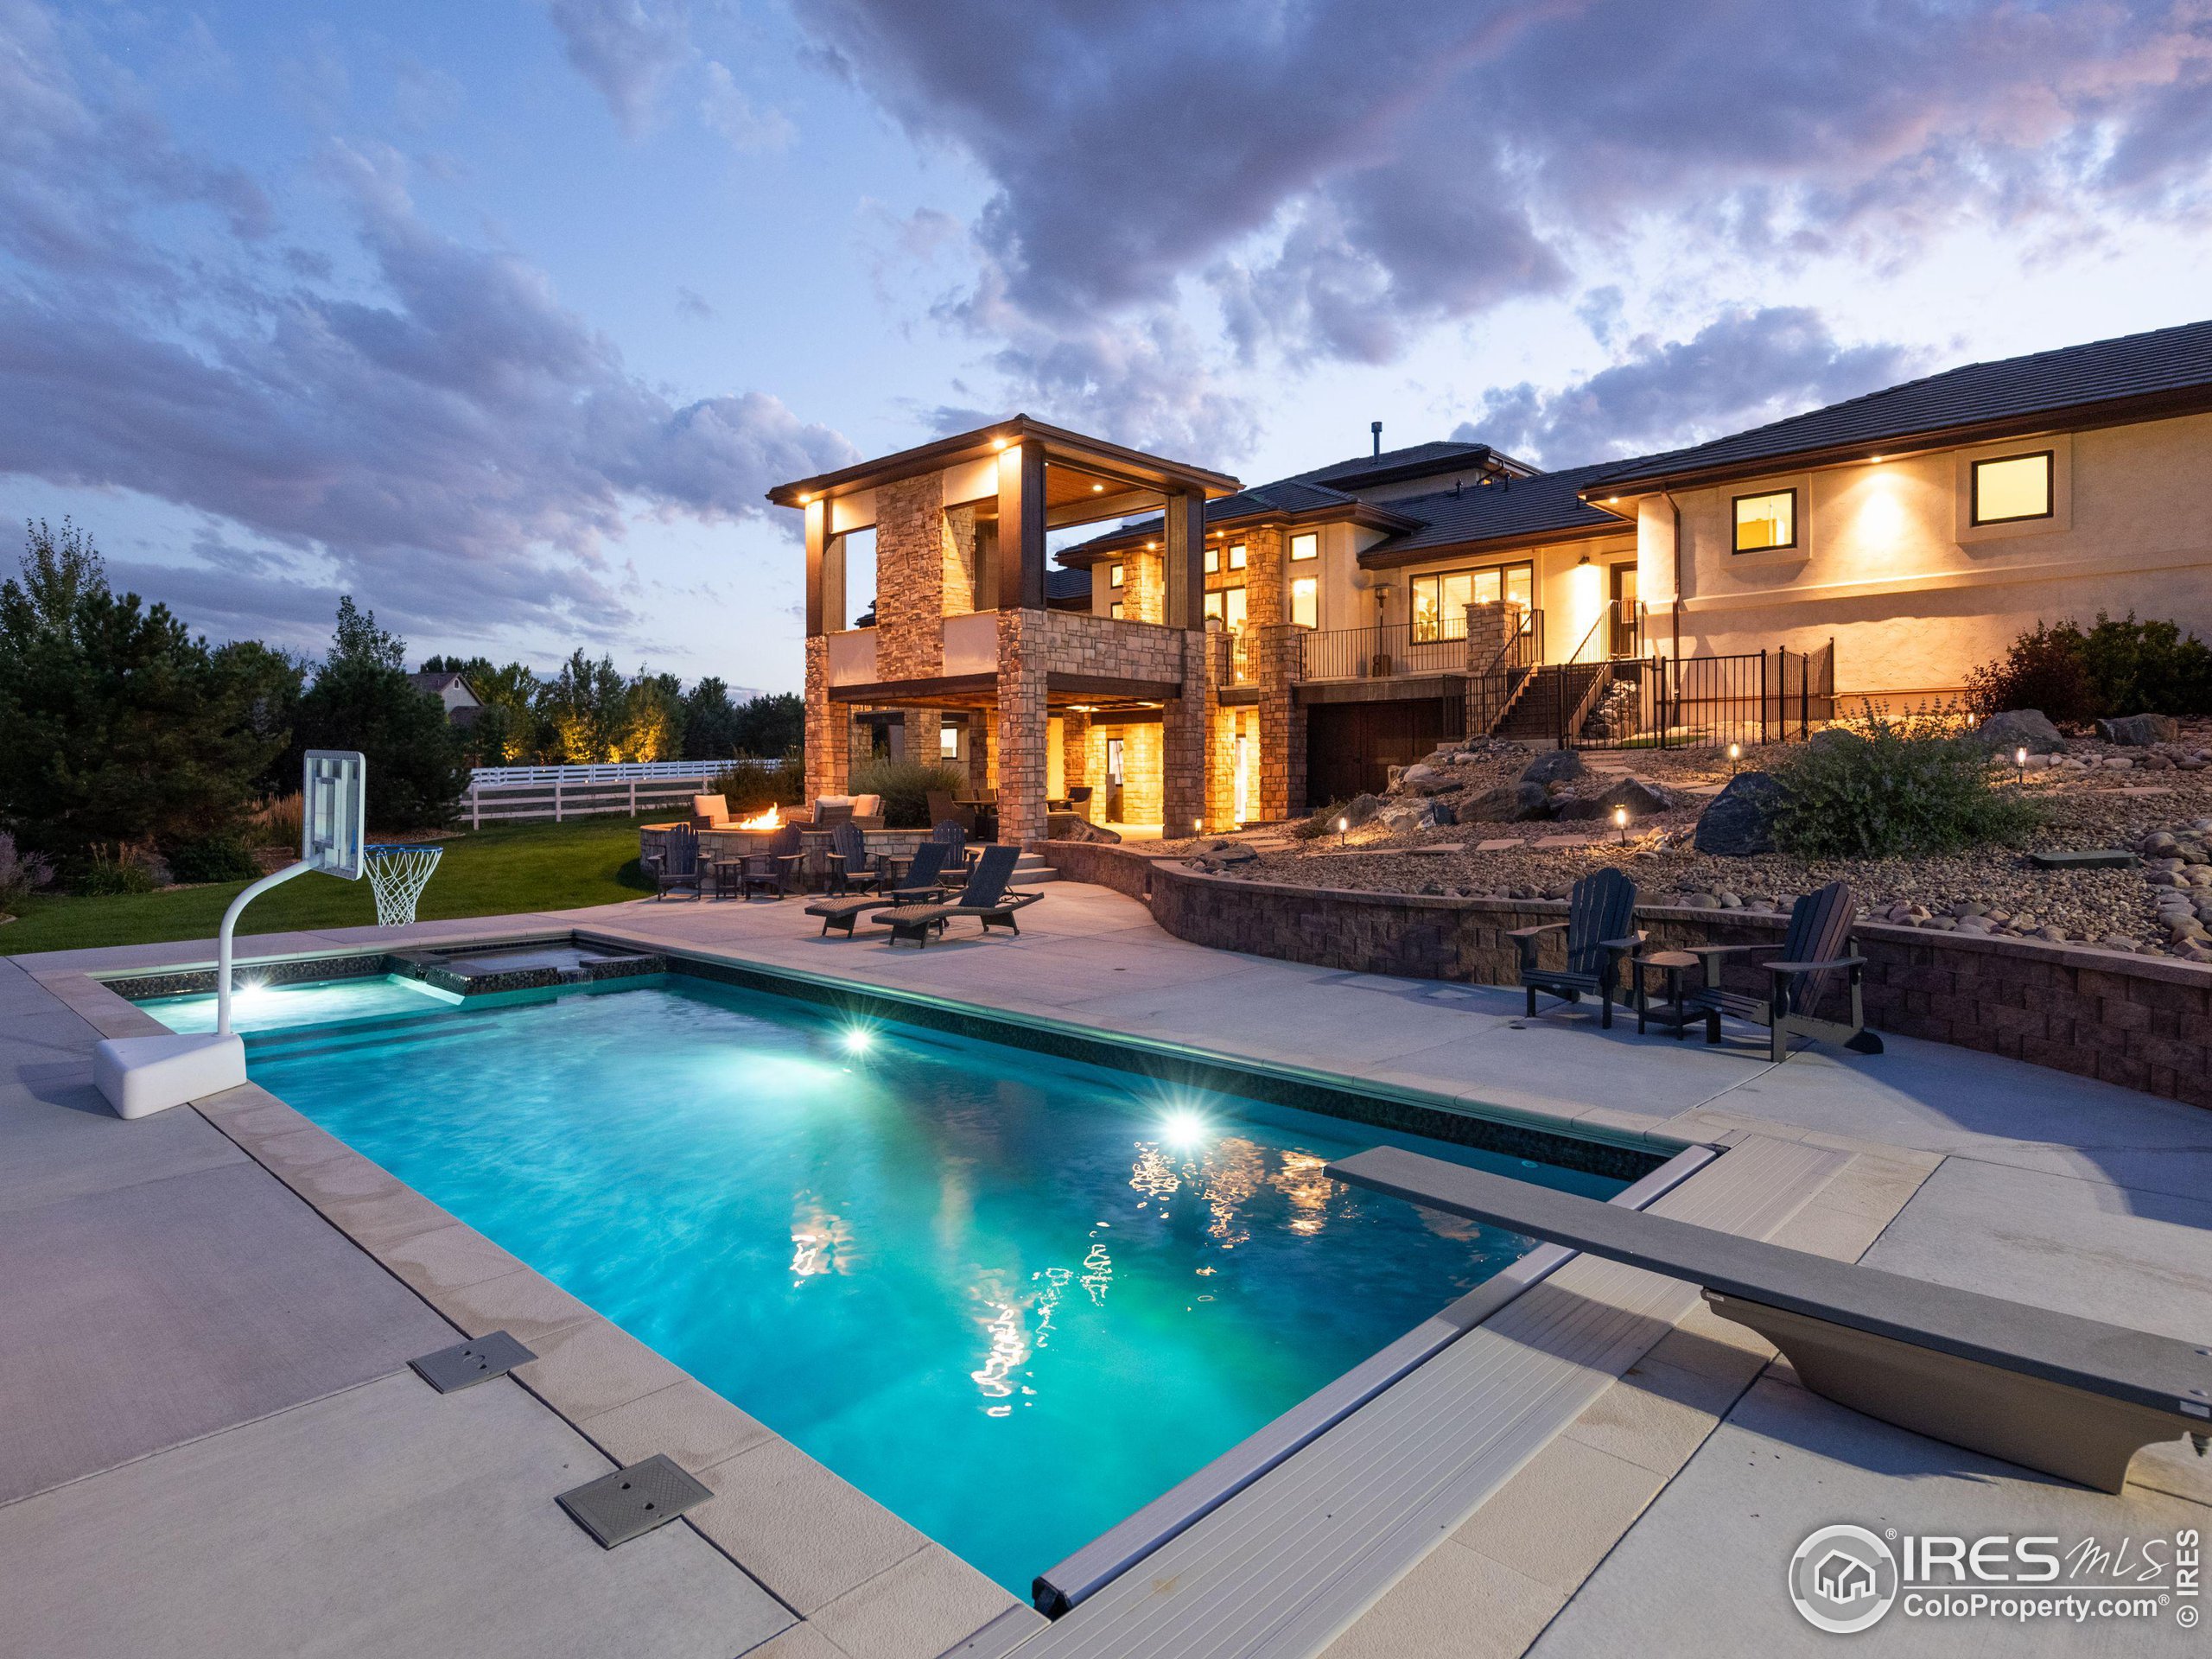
<point x="1389" y="651"/>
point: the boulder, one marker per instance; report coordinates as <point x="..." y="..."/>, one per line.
<point x="2140" y="731"/>
<point x="1642" y="799"/>
<point x="1419" y="776"/>
<point x="1510" y="804"/>
<point x="1739" y="821"/>
<point x="1556" y="767"/>
<point x="1360" y="808"/>
<point x="1067" y="826"/>
<point x="2020" y="728"/>
<point x="1232" y="852"/>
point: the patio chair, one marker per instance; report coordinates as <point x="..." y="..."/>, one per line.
<point x="771" y="870"/>
<point x="678" y="864"/>
<point x="709" y="811"/>
<point x="985" y="898"/>
<point x="1817" y="948"/>
<point x="829" y="814"/>
<point x="945" y="809"/>
<point x="848" y="871"/>
<point x="919" y="887"/>
<point x="1597" y="937"/>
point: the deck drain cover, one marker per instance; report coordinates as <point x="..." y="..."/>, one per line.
<point x="466" y="1363"/>
<point x="630" y="1503"/>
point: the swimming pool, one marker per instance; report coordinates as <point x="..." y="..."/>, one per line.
<point x="1010" y="1296"/>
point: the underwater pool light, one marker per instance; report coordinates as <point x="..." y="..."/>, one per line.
<point x="1183" y="1129"/>
<point x="858" y="1040"/>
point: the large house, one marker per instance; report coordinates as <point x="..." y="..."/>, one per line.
<point x="1245" y="652"/>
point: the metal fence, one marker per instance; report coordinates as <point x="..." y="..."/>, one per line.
<point x="1380" y="653"/>
<point x="1751" y="697"/>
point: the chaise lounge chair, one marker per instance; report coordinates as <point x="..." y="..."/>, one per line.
<point x="1818" y="946"/>
<point x="1597" y="937"/>
<point x="985" y="898"/>
<point x="919" y="887"/>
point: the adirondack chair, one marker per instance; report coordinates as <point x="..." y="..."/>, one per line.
<point x="771" y="870"/>
<point x="678" y="864"/>
<point x="1817" y="948"/>
<point x="848" y="871"/>
<point x="945" y="809"/>
<point x="1598" y="937"/>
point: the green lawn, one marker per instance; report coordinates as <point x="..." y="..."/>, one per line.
<point x="490" y="872"/>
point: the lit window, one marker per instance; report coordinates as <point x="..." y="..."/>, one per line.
<point x="1305" y="601"/>
<point x="1440" y="601"/>
<point x="1232" y="606"/>
<point x="1306" y="545"/>
<point x="2017" y="486"/>
<point x="1236" y="556"/>
<point x="1115" y="610"/>
<point x="1213" y="560"/>
<point x="1112" y="576"/>
<point x="1765" y="521"/>
<point x="1213" y="603"/>
<point x="948" y="742"/>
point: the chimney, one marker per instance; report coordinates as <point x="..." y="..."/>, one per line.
<point x="1376" y="426"/>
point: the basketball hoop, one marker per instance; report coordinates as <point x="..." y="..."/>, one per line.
<point x="397" y="875"/>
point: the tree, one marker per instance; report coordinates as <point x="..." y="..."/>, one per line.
<point x="362" y="699"/>
<point x="652" y="719"/>
<point x="509" y="729"/>
<point x="709" y="722"/>
<point x="772" y="726"/>
<point x="583" y="705"/>
<point x="124" y="731"/>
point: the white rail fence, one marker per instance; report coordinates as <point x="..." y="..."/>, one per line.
<point x="515" y="794"/>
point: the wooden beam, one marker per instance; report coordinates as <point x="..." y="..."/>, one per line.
<point x="1107" y="685"/>
<point x="1184" y="541"/>
<point x="818" y="549"/>
<point x="925" y="693"/>
<point x="1021" y="527"/>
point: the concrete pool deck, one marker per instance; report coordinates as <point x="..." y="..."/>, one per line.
<point x="135" y="1497"/>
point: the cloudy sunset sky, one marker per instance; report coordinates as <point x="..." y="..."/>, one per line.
<point x="502" y="316"/>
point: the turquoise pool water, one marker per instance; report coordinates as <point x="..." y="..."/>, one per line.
<point x="311" y="1002"/>
<point x="1010" y="1297"/>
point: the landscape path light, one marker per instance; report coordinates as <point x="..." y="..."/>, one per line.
<point x="2021" y="763"/>
<point x="1620" y="823"/>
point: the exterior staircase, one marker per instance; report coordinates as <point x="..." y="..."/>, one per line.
<point x="1552" y="694"/>
<point x="1030" y="870"/>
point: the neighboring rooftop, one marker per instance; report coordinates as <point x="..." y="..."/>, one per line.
<point x="2135" y="377"/>
<point x="1547" y="507"/>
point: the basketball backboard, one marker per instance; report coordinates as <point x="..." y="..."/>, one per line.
<point x="334" y="799"/>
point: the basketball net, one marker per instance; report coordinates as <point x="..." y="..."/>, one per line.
<point x="398" y="876"/>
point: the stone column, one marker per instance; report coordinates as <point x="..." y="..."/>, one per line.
<point x="1489" y="626"/>
<point x="1220" y="734"/>
<point x="826" y="755"/>
<point x="1023" y="730"/>
<point x="1186" y="724"/>
<point x="1075" y="756"/>
<point x="1282" y="722"/>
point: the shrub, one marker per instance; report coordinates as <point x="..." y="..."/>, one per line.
<point x="99" y="874"/>
<point x="750" y="787"/>
<point x="21" y="873"/>
<point x="277" y="822"/>
<point x="905" y="787"/>
<point x="1895" y="786"/>
<point x="2076" y="676"/>
<point x="2043" y="670"/>
<point x="212" y="858"/>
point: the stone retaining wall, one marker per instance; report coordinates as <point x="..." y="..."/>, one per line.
<point x="2143" y="1022"/>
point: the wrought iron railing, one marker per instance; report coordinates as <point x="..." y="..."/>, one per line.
<point x="1379" y="653"/>
<point x="1748" y="697"/>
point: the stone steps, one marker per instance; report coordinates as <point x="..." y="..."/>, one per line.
<point x="1030" y="870"/>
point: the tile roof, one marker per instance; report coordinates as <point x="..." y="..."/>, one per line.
<point x="1544" y="504"/>
<point x="1414" y="458"/>
<point x="1067" y="584"/>
<point x="1980" y="394"/>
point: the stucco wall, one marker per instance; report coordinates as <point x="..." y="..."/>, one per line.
<point x="1915" y="597"/>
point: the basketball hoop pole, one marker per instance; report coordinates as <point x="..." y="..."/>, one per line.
<point x="223" y="938"/>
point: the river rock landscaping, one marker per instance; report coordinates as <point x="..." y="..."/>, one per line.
<point x="1489" y="818"/>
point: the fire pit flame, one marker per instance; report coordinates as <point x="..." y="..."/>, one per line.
<point x="768" y="820"/>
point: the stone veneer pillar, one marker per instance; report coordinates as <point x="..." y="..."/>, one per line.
<point x="1144" y="587"/>
<point x="826" y="756"/>
<point x="1023" y="728"/>
<point x="1186" y="723"/>
<point x="1490" y="624"/>
<point x="1282" y="722"/>
<point x="1075" y="756"/>
<point x="1220" y="734"/>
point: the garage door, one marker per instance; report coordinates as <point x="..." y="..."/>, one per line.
<point x="1350" y="745"/>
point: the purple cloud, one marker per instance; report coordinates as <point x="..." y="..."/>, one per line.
<point x="448" y="429"/>
<point x="1742" y="370"/>
<point x="626" y="49"/>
